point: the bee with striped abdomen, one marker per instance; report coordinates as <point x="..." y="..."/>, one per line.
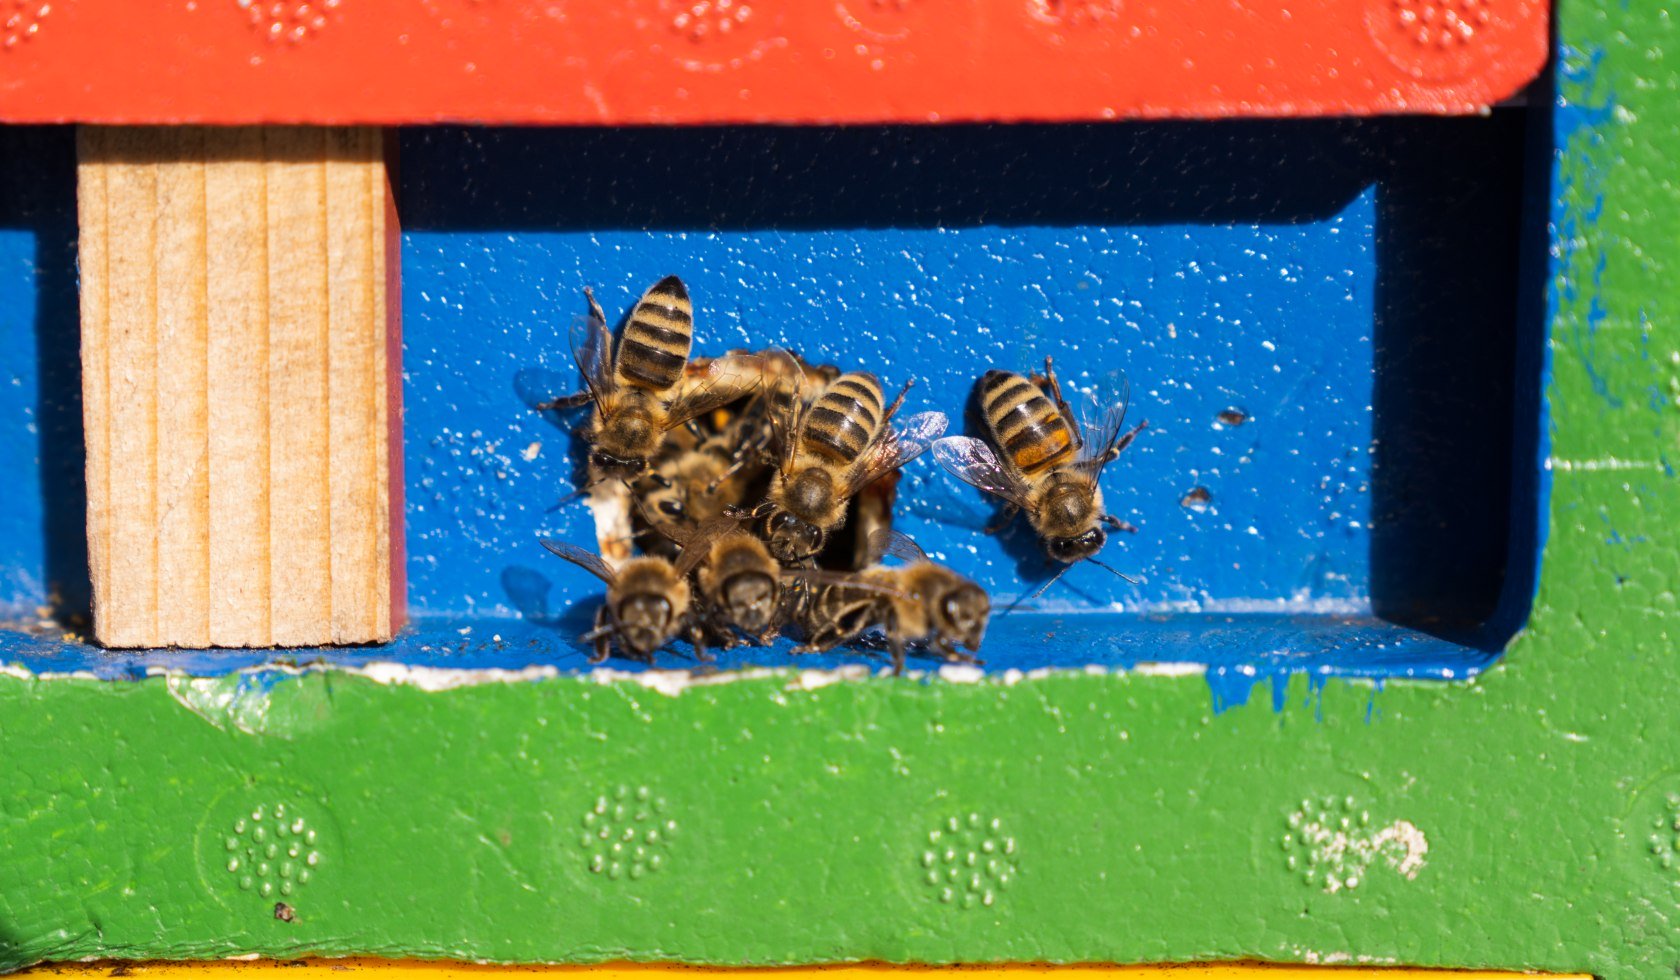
<point x="648" y="605"/>
<point x="829" y="448"/>
<point x="1046" y="463"/>
<point x="919" y="601"/>
<point x="647" y="387"/>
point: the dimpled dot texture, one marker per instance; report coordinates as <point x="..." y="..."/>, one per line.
<point x="289" y="20"/>
<point x="271" y="851"/>
<point x="627" y="833"/>
<point x="969" y="861"/>
<point x="1663" y="838"/>
<point x="20" y="20"/>
<point x="1441" y="23"/>
<point x="699" y="21"/>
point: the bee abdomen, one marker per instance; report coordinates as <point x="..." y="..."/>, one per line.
<point x="845" y="419"/>
<point x="1027" y="426"/>
<point x="654" y="348"/>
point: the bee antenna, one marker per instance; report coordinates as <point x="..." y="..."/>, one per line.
<point x="1036" y="592"/>
<point x="575" y="494"/>
<point x="1110" y="568"/>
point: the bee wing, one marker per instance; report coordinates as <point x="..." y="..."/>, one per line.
<point x="896" y="447"/>
<point x="726" y="379"/>
<point x="1100" y="429"/>
<point x="786" y="403"/>
<point x="973" y="462"/>
<point x="885" y="541"/>
<point x="587" y="560"/>
<point x="698" y="543"/>
<point x="592" y="349"/>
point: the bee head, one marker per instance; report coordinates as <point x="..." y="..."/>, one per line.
<point x="792" y="539"/>
<point x="965" y="610"/>
<point x="644" y="622"/>
<point x="609" y="465"/>
<point x="750" y="598"/>
<point x="1076" y="548"/>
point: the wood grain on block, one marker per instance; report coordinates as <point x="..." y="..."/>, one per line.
<point x="238" y="389"/>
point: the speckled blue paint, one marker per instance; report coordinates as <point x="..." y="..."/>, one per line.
<point x="22" y="577"/>
<point x="1249" y="266"/>
<point x="1193" y="316"/>
<point x="1216" y="267"/>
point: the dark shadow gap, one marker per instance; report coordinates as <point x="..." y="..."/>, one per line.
<point x="38" y="194"/>
<point x="779" y="178"/>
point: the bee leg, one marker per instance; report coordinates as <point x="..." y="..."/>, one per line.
<point x="746" y="513"/>
<point x="594" y="307"/>
<point x="895" y="643"/>
<point x="1003" y="520"/>
<point x="1118" y="524"/>
<point x="601" y="635"/>
<point x="1053" y="387"/>
<point x="1124" y="441"/>
<point x="563" y="402"/>
<point x="893" y="408"/>
<point x="949" y="651"/>
<point x="738" y="460"/>
<point x="697" y="636"/>
<point x="821" y="641"/>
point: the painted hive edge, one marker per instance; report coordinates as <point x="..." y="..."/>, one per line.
<point x="379" y="63"/>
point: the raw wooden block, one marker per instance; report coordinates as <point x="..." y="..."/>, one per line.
<point x="241" y="385"/>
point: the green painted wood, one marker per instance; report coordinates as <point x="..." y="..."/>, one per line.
<point x="1110" y="817"/>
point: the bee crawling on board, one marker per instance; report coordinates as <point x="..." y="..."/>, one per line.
<point x="919" y="601"/>
<point x="646" y="386"/>
<point x="649" y="604"/>
<point x="1042" y="461"/>
<point x="830" y="447"/>
<point x="743" y="590"/>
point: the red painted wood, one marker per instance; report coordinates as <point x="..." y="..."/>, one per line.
<point x="628" y="61"/>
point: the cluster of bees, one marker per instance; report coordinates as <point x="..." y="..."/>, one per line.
<point x="759" y="489"/>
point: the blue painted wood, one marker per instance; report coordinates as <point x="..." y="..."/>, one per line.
<point x="1350" y="286"/>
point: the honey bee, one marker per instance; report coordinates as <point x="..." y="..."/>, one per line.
<point x="918" y="601"/>
<point x="698" y="477"/>
<point x="1047" y="464"/>
<point x="742" y="588"/>
<point x="648" y="605"/>
<point x="645" y="388"/>
<point x="830" y="447"/>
